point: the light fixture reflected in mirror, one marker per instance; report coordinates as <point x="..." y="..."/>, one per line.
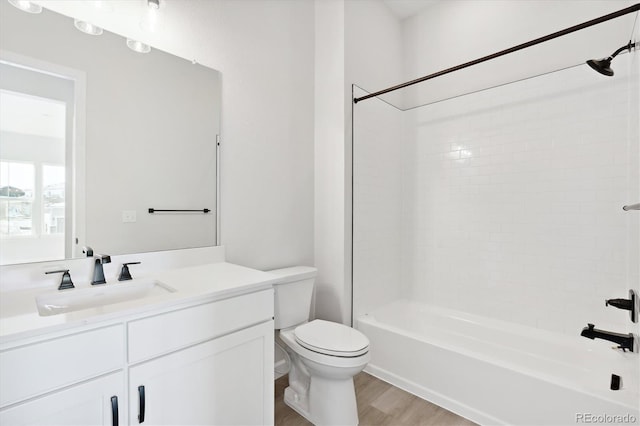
<point x="104" y="5"/>
<point x="87" y="27"/>
<point x="149" y="21"/>
<point x="26" y="6"/>
<point x="138" y="46"/>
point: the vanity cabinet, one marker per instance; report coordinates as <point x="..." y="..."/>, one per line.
<point x="97" y="402"/>
<point x="206" y="365"/>
<point x="219" y="382"/>
<point x="199" y="363"/>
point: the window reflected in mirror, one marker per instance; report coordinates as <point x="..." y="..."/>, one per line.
<point x="33" y="173"/>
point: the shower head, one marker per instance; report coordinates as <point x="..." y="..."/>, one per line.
<point x="603" y="66"/>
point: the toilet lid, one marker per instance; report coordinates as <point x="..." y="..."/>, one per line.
<point x="331" y="338"/>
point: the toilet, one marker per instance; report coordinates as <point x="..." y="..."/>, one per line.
<point x="324" y="356"/>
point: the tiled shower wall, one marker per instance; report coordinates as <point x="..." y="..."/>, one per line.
<point x="511" y="199"/>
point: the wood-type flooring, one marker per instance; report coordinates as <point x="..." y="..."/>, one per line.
<point x="379" y="403"/>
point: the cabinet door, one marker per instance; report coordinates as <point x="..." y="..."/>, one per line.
<point x="224" y="381"/>
<point x="86" y="404"/>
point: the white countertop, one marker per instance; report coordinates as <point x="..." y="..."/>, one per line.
<point x="19" y="317"/>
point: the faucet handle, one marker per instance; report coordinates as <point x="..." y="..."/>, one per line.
<point x="124" y="272"/>
<point x="66" y="279"/>
<point x="626" y="304"/>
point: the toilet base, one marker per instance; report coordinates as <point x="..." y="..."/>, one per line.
<point x="298" y="402"/>
<point x="328" y="402"/>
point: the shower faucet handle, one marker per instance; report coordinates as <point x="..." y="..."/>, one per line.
<point x="625" y="304"/>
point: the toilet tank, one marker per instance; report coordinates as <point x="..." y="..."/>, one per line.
<point x="293" y="292"/>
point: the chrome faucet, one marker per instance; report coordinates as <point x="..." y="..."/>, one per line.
<point x="625" y="341"/>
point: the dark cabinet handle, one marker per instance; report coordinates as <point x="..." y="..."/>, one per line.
<point x="141" y="400"/>
<point x="114" y="410"/>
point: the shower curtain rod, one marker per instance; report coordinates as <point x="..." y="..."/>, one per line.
<point x="601" y="19"/>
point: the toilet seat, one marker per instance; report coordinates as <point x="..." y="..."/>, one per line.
<point x="289" y="339"/>
<point x="330" y="338"/>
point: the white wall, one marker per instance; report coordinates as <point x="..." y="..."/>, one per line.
<point x="330" y="252"/>
<point x="356" y="41"/>
<point x="264" y="50"/>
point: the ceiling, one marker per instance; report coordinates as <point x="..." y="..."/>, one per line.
<point x="31" y="115"/>
<point x="406" y="8"/>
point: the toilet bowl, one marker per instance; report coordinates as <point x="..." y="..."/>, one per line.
<point x="324" y="355"/>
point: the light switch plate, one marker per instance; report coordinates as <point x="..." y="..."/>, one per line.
<point x="128" y="216"/>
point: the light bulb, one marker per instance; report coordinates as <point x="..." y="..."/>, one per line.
<point x="150" y="18"/>
<point x="26" y="6"/>
<point x="103" y="5"/>
<point x="138" y="46"/>
<point x="87" y="27"/>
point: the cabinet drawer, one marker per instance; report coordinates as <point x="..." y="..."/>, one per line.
<point x="164" y="333"/>
<point x="33" y="369"/>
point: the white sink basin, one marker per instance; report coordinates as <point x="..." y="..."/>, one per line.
<point x="76" y="299"/>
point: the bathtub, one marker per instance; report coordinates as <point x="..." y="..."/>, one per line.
<point x="495" y="372"/>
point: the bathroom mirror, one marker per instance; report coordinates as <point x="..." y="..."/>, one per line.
<point x="93" y="135"/>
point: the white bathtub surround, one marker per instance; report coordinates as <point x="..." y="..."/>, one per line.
<point x="498" y="214"/>
<point x="512" y="235"/>
<point x="514" y="196"/>
<point x="511" y="200"/>
<point x="497" y="372"/>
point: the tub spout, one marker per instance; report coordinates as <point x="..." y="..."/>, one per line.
<point x="625" y="341"/>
